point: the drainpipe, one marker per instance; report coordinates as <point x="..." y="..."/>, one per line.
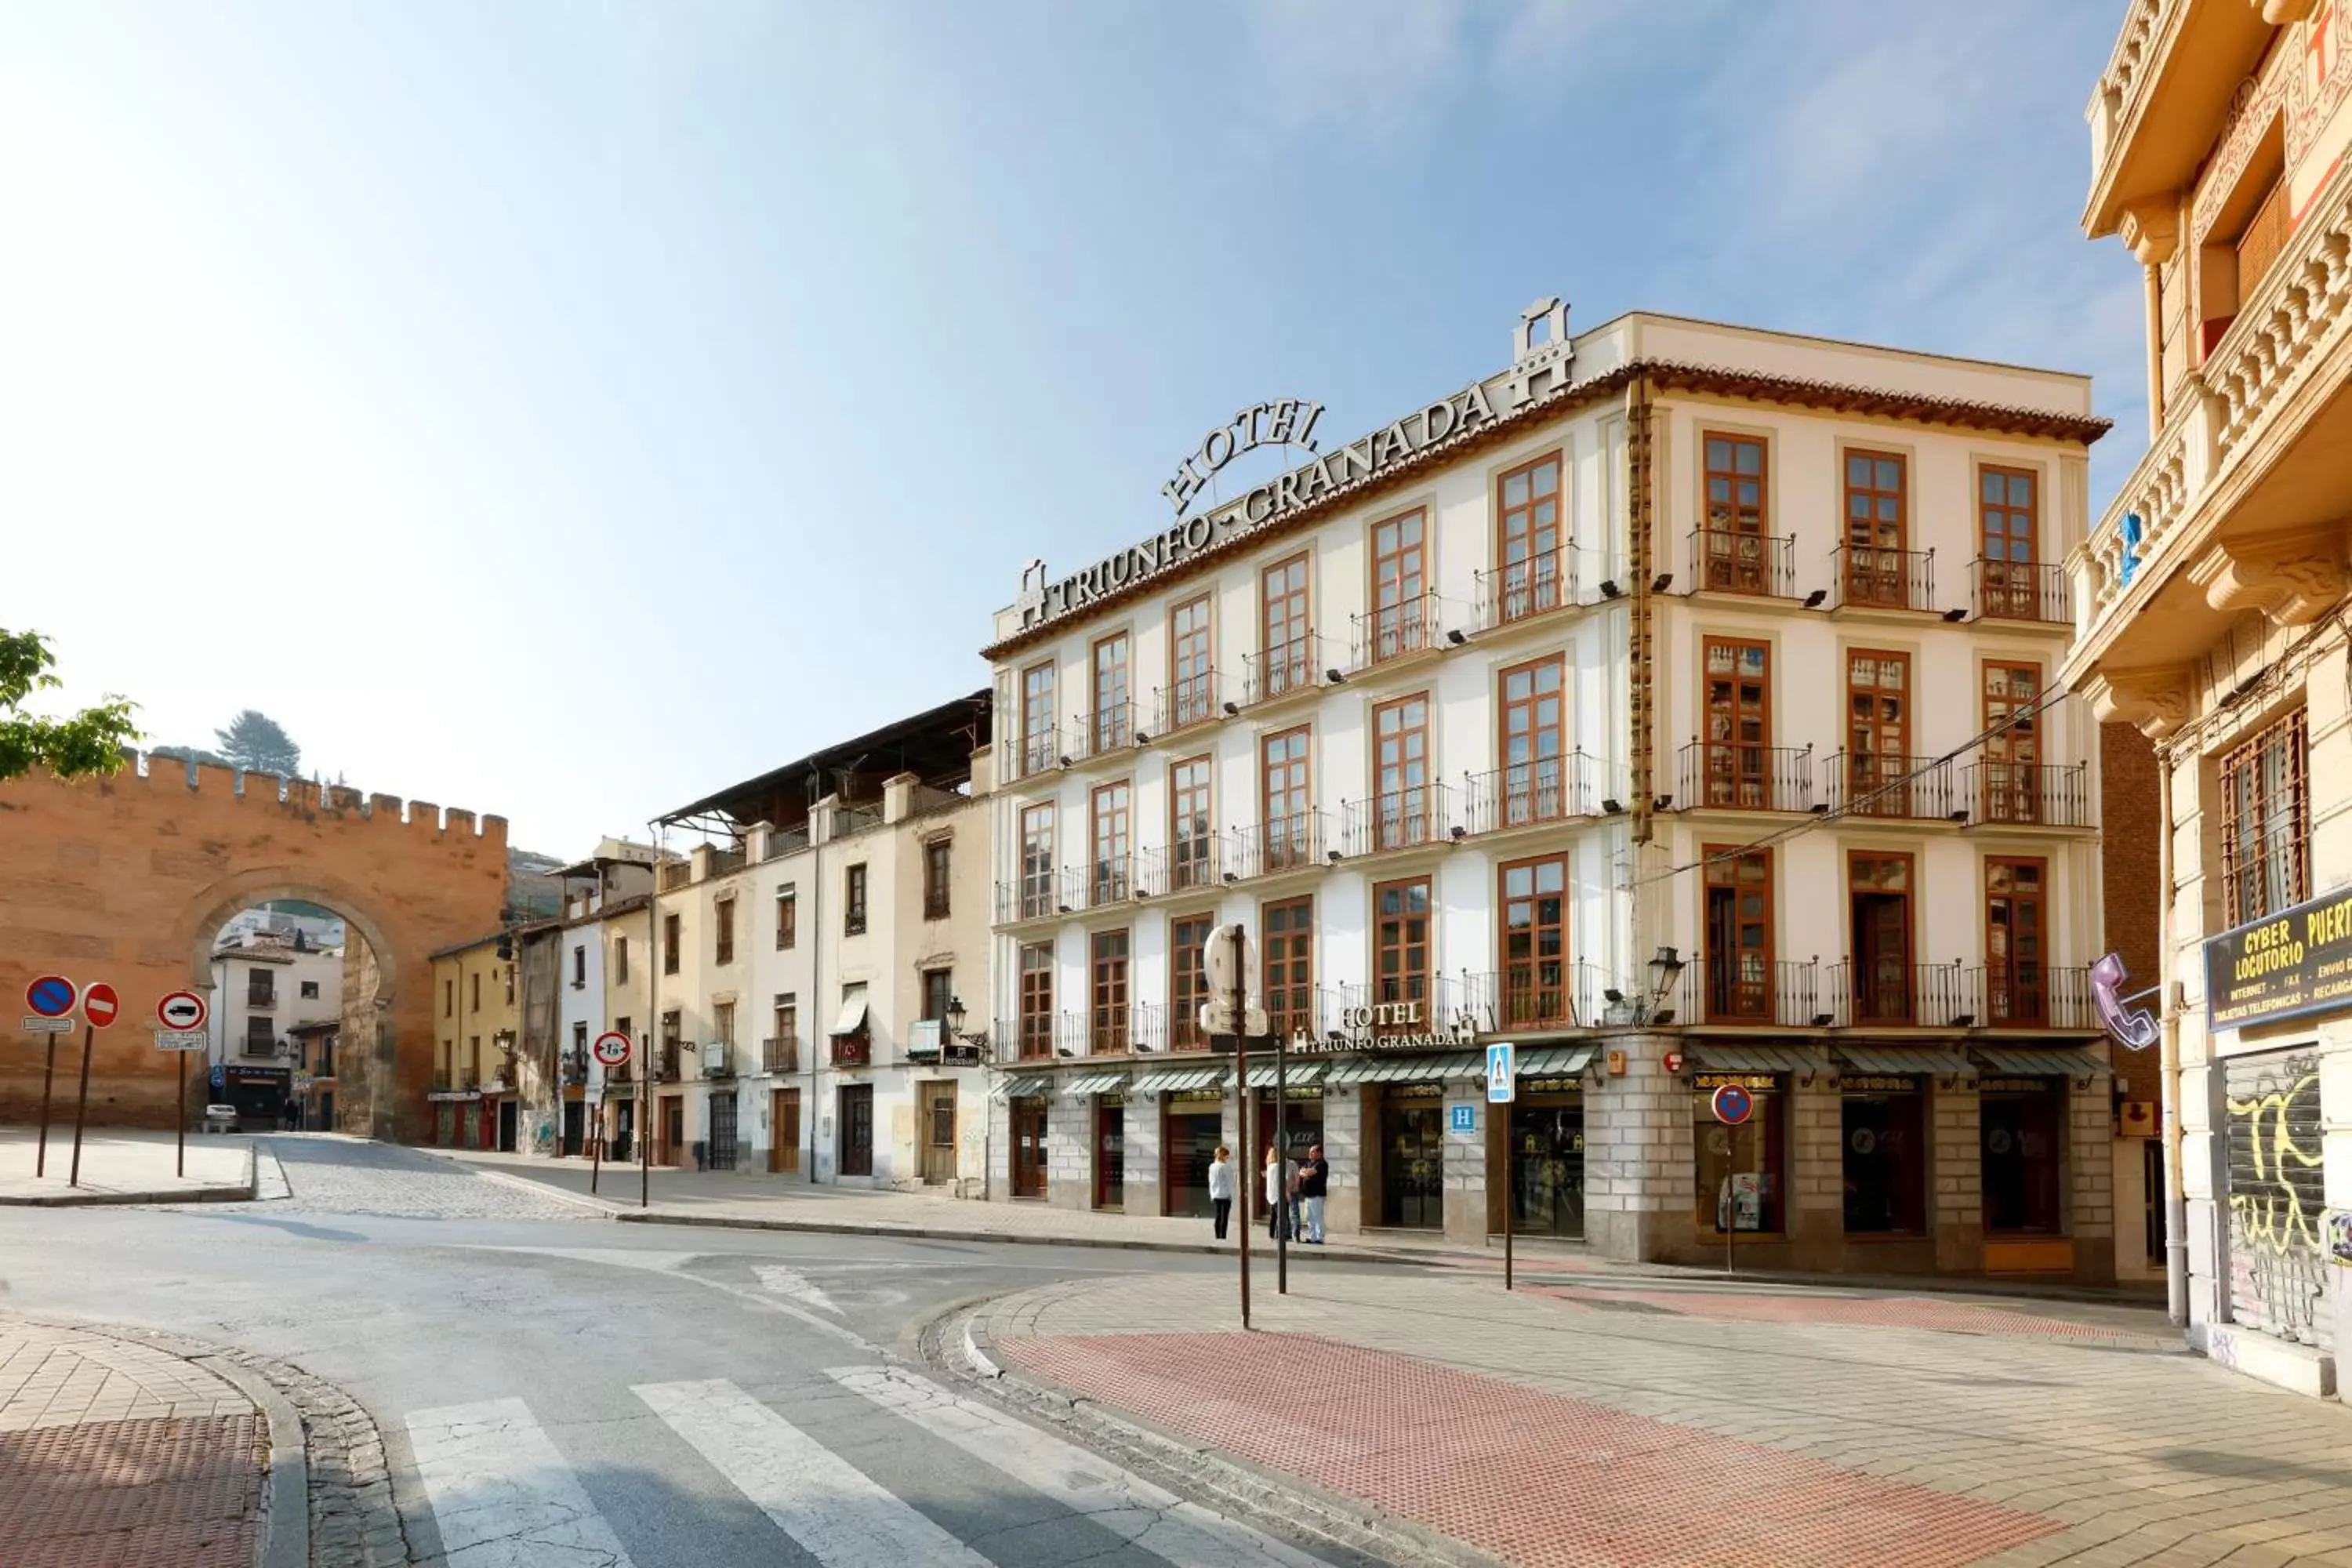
<point x="1640" y="523"/>
<point x="817" y="967"/>
<point x="2176" y="1199"/>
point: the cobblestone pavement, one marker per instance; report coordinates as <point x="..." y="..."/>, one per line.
<point x="348" y="1176"/>
<point x="1621" y="1431"/>
<point x="117" y="1452"/>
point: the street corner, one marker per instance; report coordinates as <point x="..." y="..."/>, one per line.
<point x="117" y="1451"/>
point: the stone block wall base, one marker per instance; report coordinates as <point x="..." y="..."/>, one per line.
<point x="2299" y="1368"/>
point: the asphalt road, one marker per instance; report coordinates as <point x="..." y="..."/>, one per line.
<point x="556" y="1389"/>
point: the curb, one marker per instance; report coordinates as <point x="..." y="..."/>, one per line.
<point x="75" y="1199"/>
<point x="284" y="1541"/>
<point x="592" y="1203"/>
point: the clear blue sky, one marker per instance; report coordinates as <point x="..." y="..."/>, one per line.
<point x="565" y="409"/>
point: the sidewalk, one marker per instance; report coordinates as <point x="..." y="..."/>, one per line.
<point x="120" y="1165"/>
<point x="1702" y="1423"/>
<point x="119" y="1453"/>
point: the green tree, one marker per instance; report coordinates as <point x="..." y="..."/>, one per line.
<point x="89" y="741"/>
<point x="254" y="742"/>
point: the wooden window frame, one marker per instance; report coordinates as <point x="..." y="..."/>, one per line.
<point x="1188" y="978"/>
<point x="1531" y="789"/>
<point x="1735" y="559"/>
<point x="2011" y="588"/>
<point x="1764" y="778"/>
<point x="1037" y="749"/>
<point x="1110" y="838"/>
<point x="938" y="874"/>
<point x="1532" y="582"/>
<point x="1290" y="663"/>
<point x="1561" y="993"/>
<point x="1034" y="1004"/>
<point x="1108" y="992"/>
<point x="1383" y="944"/>
<point x="673" y="938"/>
<point x="1110" y="718"/>
<point x="2012" y="791"/>
<point x="1738" y="1003"/>
<point x="1874" y="787"/>
<point x="1401" y="814"/>
<point x="1039" y="895"/>
<point x="1869" y="580"/>
<point x="2030" y="1000"/>
<point x="1286" y="963"/>
<point x="856" y="887"/>
<point x="620" y="963"/>
<point x="1192" y="693"/>
<point x="1285" y="832"/>
<point x="1189" y="853"/>
<point x="722" y="931"/>
<point x="1400" y="623"/>
<point x="788" y="918"/>
<point x="1910" y="895"/>
<point x="2247" y="804"/>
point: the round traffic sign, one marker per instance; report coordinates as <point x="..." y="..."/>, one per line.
<point x="611" y="1049"/>
<point x="98" y="1004"/>
<point x="1733" y="1104"/>
<point x="182" y="1010"/>
<point x="52" y="996"/>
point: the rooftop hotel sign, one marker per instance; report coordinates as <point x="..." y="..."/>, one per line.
<point x="1286" y="422"/>
<point x="2282" y="967"/>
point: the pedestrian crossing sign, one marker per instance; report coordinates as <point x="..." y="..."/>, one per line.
<point x="1502" y="1072"/>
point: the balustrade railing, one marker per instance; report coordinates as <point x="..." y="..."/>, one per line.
<point x="1296" y="842"/>
<point x="1759" y="565"/>
<point x="1863" y="576"/>
<point x="1037" y="750"/>
<point x="1188" y="701"/>
<point x="1725" y="776"/>
<point x="1392" y="631"/>
<point x="1734" y="988"/>
<point x="2044" y="794"/>
<point x="1400" y="820"/>
<point x="1519" y="590"/>
<point x="1107" y="729"/>
<point x="780" y="1055"/>
<point x="1894" y="995"/>
<point x="2019" y="591"/>
<point x="1523" y="795"/>
<point x="1284" y="670"/>
<point x="1875" y="783"/>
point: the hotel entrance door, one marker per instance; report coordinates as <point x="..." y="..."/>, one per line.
<point x="1413" y="1159"/>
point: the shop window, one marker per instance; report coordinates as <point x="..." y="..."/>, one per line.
<point x="2266" y="823"/>
<point x="1883" y="1125"/>
<point x="1739" y="1168"/>
<point x="2023" y="1125"/>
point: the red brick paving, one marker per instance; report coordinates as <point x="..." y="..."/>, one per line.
<point x="1888" y="1312"/>
<point x="1535" y="1478"/>
<point x="178" y="1492"/>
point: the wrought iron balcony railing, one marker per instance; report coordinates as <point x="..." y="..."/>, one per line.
<point x="2044" y="795"/>
<point x="1284" y="670"/>
<point x="1758" y="565"/>
<point x="1298" y="841"/>
<point x="1727" y="776"/>
<point x="1392" y="631"/>
<point x="1732" y="988"/>
<point x="1866" y="577"/>
<point x="1526" y="795"/>
<point x="1188" y="701"/>
<point x="1894" y="995"/>
<point x="1873" y="783"/>
<point x="2021" y="591"/>
<point x="1521" y="590"/>
<point x="1107" y="729"/>
<point x="1400" y="820"/>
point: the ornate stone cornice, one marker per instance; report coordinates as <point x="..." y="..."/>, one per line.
<point x="2151" y="229"/>
<point x="2154" y="701"/>
<point x="2293" y="578"/>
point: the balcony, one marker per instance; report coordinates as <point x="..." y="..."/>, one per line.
<point x="1028" y="1039"/>
<point x="2030" y="795"/>
<point x="1301" y="841"/>
<point x="1195" y="860"/>
<point x="722" y="861"/>
<point x="1536" y="996"/>
<point x="1113" y="880"/>
<point x="850" y="1050"/>
<point x="1528" y="795"/>
<point x="619" y="1075"/>
<point x="1192" y="699"/>
<point x="1729" y="777"/>
<point x="2035" y="590"/>
<point x="1148" y="1026"/>
<point x="1863" y="577"/>
<point x="2031" y="996"/>
<point x="1781" y="995"/>
<point x="2165" y="90"/>
<point x="675" y="874"/>
<point x="779" y="1055"/>
<point x="1893" y="996"/>
<point x="1038" y="895"/>
<point x="572" y="1068"/>
<point x="1916" y="789"/>
<point x="1395" y="631"/>
<point x="1288" y="669"/>
<point x="1036" y="751"/>
<point x="783" y="841"/>
<point x="1093" y="736"/>
<point x="1752" y="566"/>
<point x="1524" y="590"/>
<point x="666" y="1065"/>
<point x="1400" y="819"/>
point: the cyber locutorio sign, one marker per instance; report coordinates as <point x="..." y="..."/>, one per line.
<point x="1362" y="458"/>
<point x="2281" y="966"/>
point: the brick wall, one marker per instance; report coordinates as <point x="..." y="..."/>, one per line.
<point x="127" y="879"/>
<point x="2130" y="849"/>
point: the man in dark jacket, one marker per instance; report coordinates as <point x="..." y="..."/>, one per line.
<point x="1313" y="1182"/>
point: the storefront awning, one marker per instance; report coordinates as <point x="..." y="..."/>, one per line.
<point x="1175" y="1080"/>
<point x="2044" y="1061"/>
<point x="1556" y="1061"/>
<point x="1903" y="1060"/>
<point x="1408" y="1070"/>
<point x="1020" y="1087"/>
<point x="853" y="1017"/>
<point x="1745" y="1057"/>
<point x="1093" y="1083"/>
<point x="1293" y="1074"/>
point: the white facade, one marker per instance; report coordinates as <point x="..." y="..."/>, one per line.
<point x="1366" y="676"/>
<point x="262" y="987"/>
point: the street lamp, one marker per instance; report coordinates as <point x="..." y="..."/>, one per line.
<point x="977" y="1040"/>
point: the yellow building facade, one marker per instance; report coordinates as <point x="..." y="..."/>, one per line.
<point x="476" y="1025"/>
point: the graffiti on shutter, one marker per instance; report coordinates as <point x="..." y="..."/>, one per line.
<point x="2278" y="1206"/>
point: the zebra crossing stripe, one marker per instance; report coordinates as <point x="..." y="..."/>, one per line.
<point x="836" y="1514"/>
<point x="1122" y="1502"/>
<point x="502" y="1497"/>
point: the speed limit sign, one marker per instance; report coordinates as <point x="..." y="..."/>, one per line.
<point x="611" y="1049"/>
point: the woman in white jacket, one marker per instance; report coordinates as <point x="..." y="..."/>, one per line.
<point x="1221" y="1188"/>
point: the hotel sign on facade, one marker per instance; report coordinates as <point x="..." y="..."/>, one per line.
<point x="2282" y="966"/>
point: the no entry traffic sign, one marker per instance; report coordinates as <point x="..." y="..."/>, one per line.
<point x="98" y="1004"/>
<point x="182" y="1010"/>
<point x="52" y="996"/>
<point x="611" y="1049"/>
<point x="1732" y="1105"/>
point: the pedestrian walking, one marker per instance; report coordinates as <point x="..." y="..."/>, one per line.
<point x="1314" y="1183"/>
<point x="1221" y="1188"/>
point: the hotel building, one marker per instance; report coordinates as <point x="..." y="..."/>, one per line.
<point x="1675" y="704"/>
<point x="2211" y="602"/>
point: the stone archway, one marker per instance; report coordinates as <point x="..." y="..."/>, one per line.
<point x="128" y="880"/>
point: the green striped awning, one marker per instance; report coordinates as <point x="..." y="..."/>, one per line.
<point x="1174" y="1080"/>
<point x="1020" y="1087"/>
<point x="1556" y="1061"/>
<point x="1902" y="1059"/>
<point x="1093" y="1083"/>
<point x="1262" y="1073"/>
<point x="1409" y="1070"/>
<point x="1745" y="1057"/>
<point x="2042" y="1062"/>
